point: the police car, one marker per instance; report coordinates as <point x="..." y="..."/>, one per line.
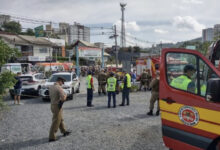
<point x="71" y="85"/>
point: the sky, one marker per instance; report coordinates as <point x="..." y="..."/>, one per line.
<point x="151" y="21"/>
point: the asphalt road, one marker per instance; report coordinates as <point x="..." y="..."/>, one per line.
<point x="98" y="128"/>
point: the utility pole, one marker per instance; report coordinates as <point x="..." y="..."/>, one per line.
<point x="116" y="46"/>
<point x="123" y="41"/>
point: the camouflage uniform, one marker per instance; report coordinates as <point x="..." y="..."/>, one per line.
<point x="102" y="79"/>
<point x="144" y="80"/>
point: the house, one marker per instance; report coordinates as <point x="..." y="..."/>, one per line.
<point x="32" y="49"/>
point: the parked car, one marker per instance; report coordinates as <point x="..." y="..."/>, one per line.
<point x="71" y="86"/>
<point x="31" y="84"/>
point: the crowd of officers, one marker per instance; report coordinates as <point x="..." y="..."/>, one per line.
<point x="112" y="80"/>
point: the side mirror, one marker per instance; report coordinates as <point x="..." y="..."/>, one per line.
<point x="213" y="88"/>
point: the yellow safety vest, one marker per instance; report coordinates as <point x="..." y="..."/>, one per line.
<point x="88" y="81"/>
<point x="128" y="80"/>
<point x="111" y="84"/>
<point x="181" y="82"/>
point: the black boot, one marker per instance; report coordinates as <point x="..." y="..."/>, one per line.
<point x="99" y="93"/>
<point x="158" y="113"/>
<point x="150" y="113"/>
<point x="145" y="89"/>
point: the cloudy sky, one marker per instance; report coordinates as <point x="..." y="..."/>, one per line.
<point x="148" y="20"/>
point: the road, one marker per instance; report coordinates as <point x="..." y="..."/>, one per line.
<point x="26" y="127"/>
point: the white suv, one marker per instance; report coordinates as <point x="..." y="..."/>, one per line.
<point x="31" y="84"/>
<point x="71" y="85"/>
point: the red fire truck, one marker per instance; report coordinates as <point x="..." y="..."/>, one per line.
<point x="190" y="119"/>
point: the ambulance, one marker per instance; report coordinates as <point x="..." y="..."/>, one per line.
<point x="190" y="119"/>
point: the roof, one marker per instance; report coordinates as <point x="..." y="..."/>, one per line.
<point x="85" y="43"/>
<point x="35" y="40"/>
<point x="13" y="38"/>
<point x="25" y="39"/>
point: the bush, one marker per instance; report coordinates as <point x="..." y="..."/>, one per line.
<point x="7" y="80"/>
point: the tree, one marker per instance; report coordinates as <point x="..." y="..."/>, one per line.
<point x="12" y="27"/>
<point x="7" y="78"/>
<point x="30" y="32"/>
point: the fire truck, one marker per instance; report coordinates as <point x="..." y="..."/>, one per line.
<point x="190" y="119"/>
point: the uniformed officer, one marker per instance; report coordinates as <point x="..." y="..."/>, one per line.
<point x="143" y="79"/>
<point x="184" y="82"/>
<point x="148" y="78"/>
<point x="111" y="88"/>
<point x="57" y="97"/>
<point x="154" y="85"/>
<point x="102" y="78"/>
<point x="90" y="89"/>
<point x="126" y="88"/>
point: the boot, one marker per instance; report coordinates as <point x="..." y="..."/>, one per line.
<point x="99" y="93"/>
<point x="145" y="89"/>
<point x="150" y="113"/>
<point x="158" y="113"/>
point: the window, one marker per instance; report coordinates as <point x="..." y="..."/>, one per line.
<point x="181" y="71"/>
<point x="43" y="50"/>
<point x="205" y="73"/>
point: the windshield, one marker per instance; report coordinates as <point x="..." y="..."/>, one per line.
<point x="53" y="78"/>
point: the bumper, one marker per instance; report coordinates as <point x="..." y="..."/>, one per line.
<point x="25" y="92"/>
<point x="45" y="92"/>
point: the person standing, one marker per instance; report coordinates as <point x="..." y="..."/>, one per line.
<point x="126" y="88"/>
<point x="111" y="88"/>
<point x="57" y="97"/>
<point x="102" y="77"/>
<point x="90" y="89"/>
<point x="154" y="85"/>
<point x="17" y="89"/>
<point x="143" y="79"/>
<point x="133" y="77"/>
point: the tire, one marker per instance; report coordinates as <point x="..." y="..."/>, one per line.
<point x="71" y="95"/>
<point x="78" y="90"/>
<point x="45" y="99"/>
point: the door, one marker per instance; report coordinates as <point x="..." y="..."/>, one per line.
<point x="189" y="121"/>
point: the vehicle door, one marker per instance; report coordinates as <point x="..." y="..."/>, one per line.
<point x="189" y="121"/>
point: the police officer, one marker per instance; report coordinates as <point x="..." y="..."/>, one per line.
<point x="154" y="85"/>
<point x="102" y="77"/>
<point x="90" y="89"/>
<point x="143" y="80"/>
<point x="184" y="82"/>
<point x="111" y="88"/>
<point x="57" y="96"/>
<point x="126" y="88"/>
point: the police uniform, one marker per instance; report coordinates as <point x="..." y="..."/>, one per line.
<point x="154" y="96"/>
<point x="102" y="82"/>
<point x="144" y="80"/>
<point x="56" y="95"/>
<point x="126" y="89"/>
<point x="89" y="84"/>
<point x="111" y="88"/>
<point x="181" y="82"/>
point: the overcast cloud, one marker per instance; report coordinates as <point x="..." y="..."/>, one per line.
<point x="150" y="20"/>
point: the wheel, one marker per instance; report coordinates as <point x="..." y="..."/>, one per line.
<point x="71" y="95"/>
<point x="78" y="90"/>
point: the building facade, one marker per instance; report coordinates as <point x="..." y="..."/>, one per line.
<point x="207" y="35"/>
<point x="4" y="19"/>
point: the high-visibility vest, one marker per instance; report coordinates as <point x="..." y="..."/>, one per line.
<point x="88" y="81"/>
<point x="111" y="84"/>
<point x="202" y="90"/>
<point x="181" y="82"/>
<point x="128" y="80"/>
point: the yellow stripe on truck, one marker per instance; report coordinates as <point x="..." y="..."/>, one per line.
<point x="204" y="114"/>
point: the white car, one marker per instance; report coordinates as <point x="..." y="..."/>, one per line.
<point x="31" y="84"/>
<point x="71" y="85"/>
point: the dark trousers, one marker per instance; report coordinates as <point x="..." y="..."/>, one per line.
<point x="125" y="95"/>
<point x="111" y="94"/>
<point x="89" y="97"/>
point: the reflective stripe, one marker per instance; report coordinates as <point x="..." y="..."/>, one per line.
<point x="111" y="84"/>
<point x="88" y="81"/>
<point x="181" y="82"/>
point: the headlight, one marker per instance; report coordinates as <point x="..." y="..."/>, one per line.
<point x="66" y="87"/>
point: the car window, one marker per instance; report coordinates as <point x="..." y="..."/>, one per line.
<point x="176" y="76"/>
<point x="74" y="76"/>
<point x="205" y="73"/>
<point x="53" y="78"/>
